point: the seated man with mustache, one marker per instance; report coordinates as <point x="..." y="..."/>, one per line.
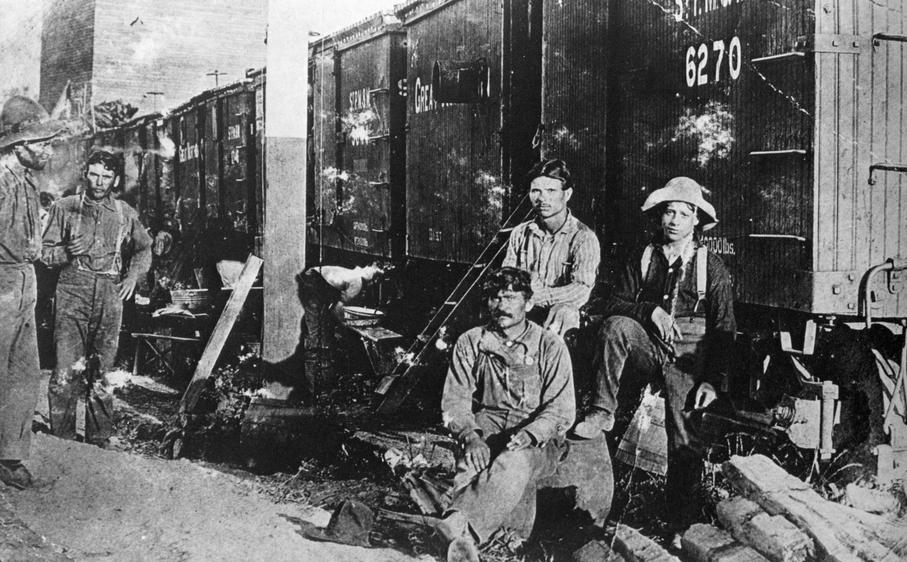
<point x="561" y="253"/>
<point x="508" y="398"/>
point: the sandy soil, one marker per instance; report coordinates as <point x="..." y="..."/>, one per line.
<point x="110" y="505"/>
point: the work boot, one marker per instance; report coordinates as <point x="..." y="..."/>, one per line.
<point x="463" y="549"/>
<point x="594" y="424"/>
<point x="14" y="474"/>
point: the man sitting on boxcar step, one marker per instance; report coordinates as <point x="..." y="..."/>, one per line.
<point x="508" y="398"/>
<point x="561" y="253"/>
<point x="670" y="318"/>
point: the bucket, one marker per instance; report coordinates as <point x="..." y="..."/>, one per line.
<point x="645" y="443"/>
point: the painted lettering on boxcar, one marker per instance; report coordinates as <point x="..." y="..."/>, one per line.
<point x="684" y="9"/>
<point x="713" y="61"/>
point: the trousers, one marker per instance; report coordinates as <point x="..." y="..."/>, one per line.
<point x="88" y="315"/>
<point x="504" y="494"/>
<point x="627" y="348"/>
<point x="19" y="370"/>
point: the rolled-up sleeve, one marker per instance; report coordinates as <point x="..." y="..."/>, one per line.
<point x="459" y="387"/>
<point x="141" y="250"/>
<point x="557" y="409"/>
<point x="53" y="251"/>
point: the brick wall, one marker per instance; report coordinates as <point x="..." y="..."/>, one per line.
<point x="170" y="45"/>
<point x="66" y="47"/>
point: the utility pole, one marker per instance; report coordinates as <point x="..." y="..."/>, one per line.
<point x="216" y="73"/>
<point x="284" y="240"/>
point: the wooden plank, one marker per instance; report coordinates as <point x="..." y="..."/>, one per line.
<point x="636" y="547"/>
<point x="840" y="533"/>
<point x="772" y="535"/>
<point x="220" y="334"/>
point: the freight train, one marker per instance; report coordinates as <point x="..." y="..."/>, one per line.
<point x="425" y="118"/>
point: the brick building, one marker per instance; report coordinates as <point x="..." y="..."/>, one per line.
<point x="123" y="49"/>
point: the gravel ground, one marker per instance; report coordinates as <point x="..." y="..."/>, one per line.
<point x="110" y="505"/>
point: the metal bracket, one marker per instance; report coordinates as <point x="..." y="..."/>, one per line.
<point x="895" y="281"/>
<point x="885" y="167"/>
<point x="833" y="43"/>
<point x="877" y="37"/>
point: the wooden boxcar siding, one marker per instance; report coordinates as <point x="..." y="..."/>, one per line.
<point x="372" y="122"/>
<point x="709" y="123"/>
<point x="213" y="161"/>
<point x="164" y="131"/>
<point x="238" y="172"/>
<point x="190" y="166"/>
<point x="133" y="160"/>
<point x="324" y="135"/>
<point x="860" y="109"/>
<point x="574" y="96"/>
<point x="454" y="189"/>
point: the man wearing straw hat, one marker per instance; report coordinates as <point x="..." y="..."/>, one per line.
<point x="669" y="319"/>
<point x="26" y="133"/>
<point x="88" y="234"/>
<point x="560" y="252"/>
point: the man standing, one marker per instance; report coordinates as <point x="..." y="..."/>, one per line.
<point x="25" y="137"/>
<point x="561" y="253"/>
<point x="520" y="378"/>
<point x="670" y="319"/>
<point x="324" y="290"/>
<point x="87" y="234"/>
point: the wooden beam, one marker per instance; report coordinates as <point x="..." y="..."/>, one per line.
<point x="285" y="174"/>
<point x="220" y="334"/>
<point x="841" y="533"/>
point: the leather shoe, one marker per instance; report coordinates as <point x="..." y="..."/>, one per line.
<point x="14" y="474"/>
<point x="594" y="424"/>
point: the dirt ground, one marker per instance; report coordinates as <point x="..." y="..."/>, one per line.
<point x="95" y="504"/>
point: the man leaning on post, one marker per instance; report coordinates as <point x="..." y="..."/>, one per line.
<point x="88" y="234"/>
<point x="509" y="400"/>
<point x="26" y="134"/>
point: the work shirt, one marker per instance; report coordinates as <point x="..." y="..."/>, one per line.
<point x="526" y="382"/>
<point x="672" y="286"/>
<point x="347" y="281"/>
<point x="563" y="264"/>
<point x="108" y="225"/>
<point x="20" y="226"/>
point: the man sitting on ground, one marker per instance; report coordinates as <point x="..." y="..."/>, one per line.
<point x="520" y="379"/>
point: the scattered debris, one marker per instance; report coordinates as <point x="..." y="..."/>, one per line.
<point x="840" y="532"/>
<point x="871" y="500"/>
<point x="705" y="543"/>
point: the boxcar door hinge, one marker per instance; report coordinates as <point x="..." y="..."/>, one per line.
<point x="833" y="43"/>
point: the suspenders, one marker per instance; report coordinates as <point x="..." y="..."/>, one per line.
<point x="121" y="236"/>
<point x="702" y="256"/>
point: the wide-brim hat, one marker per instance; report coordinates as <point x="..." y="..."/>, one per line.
<point x="351" y="523"/>
<point x="24" y="120"/>
<point x="686" y="190"/>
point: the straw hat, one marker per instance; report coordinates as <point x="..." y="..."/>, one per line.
<point x="686" y="190"/>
